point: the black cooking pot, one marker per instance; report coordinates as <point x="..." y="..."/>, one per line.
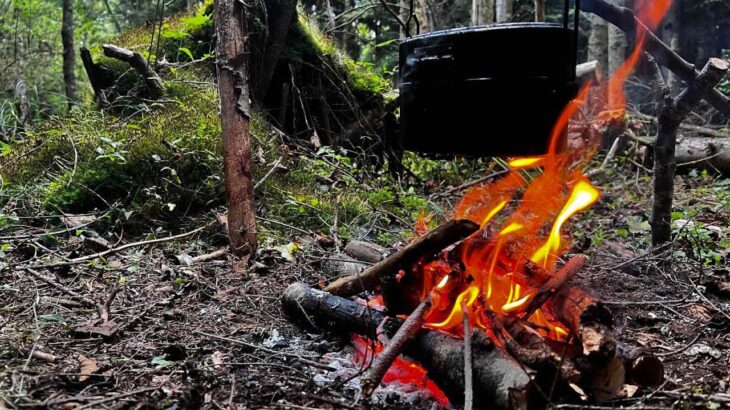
<point x="492" y="90"/>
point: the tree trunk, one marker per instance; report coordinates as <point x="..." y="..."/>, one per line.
<point x="503" y="10"/>
<point x="616" y="55"/>
<point x="69" y="53"/>
<point x="482" y="12"/>
<point x="232" y="69"/>
<point x="598" y="42"/>
<point x="671" y="115"/>
<point x="539" y="10"/>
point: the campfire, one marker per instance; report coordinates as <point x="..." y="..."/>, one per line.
<point x="482" y="304"/>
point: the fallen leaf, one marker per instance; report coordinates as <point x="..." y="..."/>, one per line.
<point x="700" y="313"/>
<point x="87" y="367"/>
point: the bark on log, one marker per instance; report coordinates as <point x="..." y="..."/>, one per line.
<point x="697" y="151"/>
<point x="152" y="81"/>
<point x="231" y="63"/>
<point x="627" y="21"/>
<point x="366" y="251"/>
<point x="499" y="381"/>
<point x="432" y="242"/>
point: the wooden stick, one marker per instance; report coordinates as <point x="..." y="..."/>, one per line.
<point x="83" y="299"/>
<point x="554" y="284"/>
<point x="382" y="362"/>
<point x="432" y="242"/>
<point x="468" y="365"/>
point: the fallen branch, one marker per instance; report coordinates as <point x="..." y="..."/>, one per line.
<point x="85" y="258"/>
<point x="468" y="365"/>
<point x="83" y="299"/>
<point x="152" y="81"/>
<point x="688" y="127"/>
<point x="432" y="242"/>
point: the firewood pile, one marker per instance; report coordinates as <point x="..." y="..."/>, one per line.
<point x="487" y="356"/>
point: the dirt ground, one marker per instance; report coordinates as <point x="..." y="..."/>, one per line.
<point x="182" y="334"/>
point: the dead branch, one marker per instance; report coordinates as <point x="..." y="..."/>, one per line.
<point x="83" y="299"/>
<point x="152" y="81"/>
<point x="688" y="127"/>
<point x="433" y="242"/>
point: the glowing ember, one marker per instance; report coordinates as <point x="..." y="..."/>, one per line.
<point x="402" y="370"/>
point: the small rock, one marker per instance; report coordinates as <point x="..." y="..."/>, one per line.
<point x="702" y="348"/>
<point x="275" y="340"/>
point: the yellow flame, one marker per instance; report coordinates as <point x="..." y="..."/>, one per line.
<point x="582" y="196"/>
<point x="517" y="304"/>
<point x="443" y="282"/>
<point x="456" y="315"/>
<point x="513" y="227"/>
<point x="493" y="212"/>
<point x="524" y="162"/>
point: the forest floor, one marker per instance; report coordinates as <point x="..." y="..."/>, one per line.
<point x="152" y="327"/>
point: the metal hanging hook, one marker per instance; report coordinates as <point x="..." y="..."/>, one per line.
<point x="412" y="17"/>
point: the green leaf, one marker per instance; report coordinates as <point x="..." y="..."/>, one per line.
<point x="187" y="52"/>
<point x="622" y="232"/>
<point x="174" y="34"/>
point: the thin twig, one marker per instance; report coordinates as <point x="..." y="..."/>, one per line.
<point x="468" y="378"/>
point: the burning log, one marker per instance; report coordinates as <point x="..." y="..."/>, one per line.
<point x="499" y="381"/>
<point x="433" y="242"/>
<point x="554" y="284"/>
<point x="588" y="319"/>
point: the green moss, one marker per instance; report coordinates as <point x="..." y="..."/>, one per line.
<point x="309" y="40"/>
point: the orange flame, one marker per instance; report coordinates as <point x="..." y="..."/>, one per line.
<point x="523" y="221"/>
